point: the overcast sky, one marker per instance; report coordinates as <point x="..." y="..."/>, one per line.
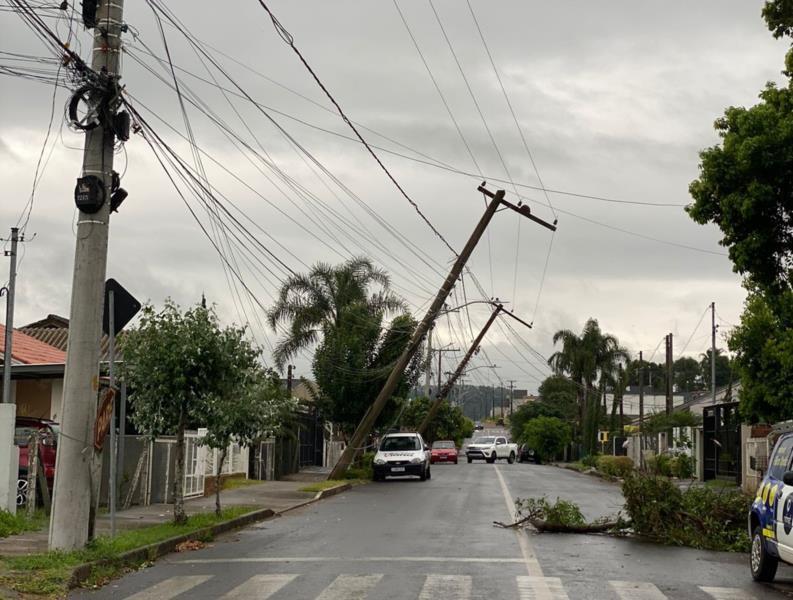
<point x="615" y="99"/>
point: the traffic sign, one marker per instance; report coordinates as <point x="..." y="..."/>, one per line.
<point x="124" y="303"/>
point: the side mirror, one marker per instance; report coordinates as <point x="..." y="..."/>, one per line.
<point x="787" y="478"/>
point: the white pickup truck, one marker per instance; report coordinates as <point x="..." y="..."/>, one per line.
<point x="490" y="449"/>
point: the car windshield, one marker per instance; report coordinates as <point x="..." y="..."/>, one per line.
<point x="438" y="445"/>
<point x="395" y="444"/>
<point x="484" y="440"/>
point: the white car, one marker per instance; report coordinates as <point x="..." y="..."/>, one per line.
<point x="490" y="449"/>
<point x="402" y="454"/>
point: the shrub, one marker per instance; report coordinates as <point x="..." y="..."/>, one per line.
<point x="700" y="517"/>
<point x="362" y="467"/>
<point x="616" y="466"/>
<point x="683" y="467"/>
<point x="591" y="460"/>
<point x="547" y="435"/>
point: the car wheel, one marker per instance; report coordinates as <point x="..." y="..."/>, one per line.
<point x="511" y="458"/>
<point x="455" y="461"/>
<point x="492" y="459"/>
<point x="423" y="475"/>
<point x="762" y="565"/>
<point x="470" y="460"/>
<point x="429" y="472"/>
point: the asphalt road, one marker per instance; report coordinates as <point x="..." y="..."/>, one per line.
<point x="406" y="539"/>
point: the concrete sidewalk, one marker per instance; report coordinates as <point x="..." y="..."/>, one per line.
<point x="275" y="495"/>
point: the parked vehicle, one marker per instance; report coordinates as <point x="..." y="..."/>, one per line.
<point x="443" y="451"/>
<point x="48" y="444"/>
<point x="478" y="426"/>
<point x="771" y="514"/>
<point x="402" y="454"/>
<point x="490" y="449"/>
<point x="527" y="454"/>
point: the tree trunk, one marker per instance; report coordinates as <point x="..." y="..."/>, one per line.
<point x="622" y="416"/>
<point x="179" y="516"/>
<point x="218" y="470"/>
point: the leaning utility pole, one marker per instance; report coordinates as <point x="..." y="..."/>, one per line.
<point x="444" y="391"/>
<point x="71" y="506"/>
<point x="428" y="366"/>
<point x="9" y="326"/>
<point x="713" y="351"/>
<point x="369" y="419"/>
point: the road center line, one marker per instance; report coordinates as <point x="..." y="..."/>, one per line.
<point x="532" y="564"/>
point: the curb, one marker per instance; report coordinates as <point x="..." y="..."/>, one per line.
<point x="154" y="551"/>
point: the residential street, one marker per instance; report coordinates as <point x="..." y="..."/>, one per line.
<point x="435" y="539"/>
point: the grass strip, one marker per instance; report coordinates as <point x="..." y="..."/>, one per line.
<point x="48" y="574"/>
<point x="20" y="522"/>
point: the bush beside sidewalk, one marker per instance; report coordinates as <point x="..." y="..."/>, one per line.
<point x="145" y="533"/>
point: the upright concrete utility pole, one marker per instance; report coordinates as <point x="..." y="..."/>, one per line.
<point x="713" y="351"/>
<point x="444" y="391"/>
<point x="369" y="419"/>
<point x="641" y="408"/>
<point x="428" y="366"/>
<point x="9" y="294"/>
<point x="511" y="396"/>
<point x="71" y="506"/>
<point x="669" y="375"/>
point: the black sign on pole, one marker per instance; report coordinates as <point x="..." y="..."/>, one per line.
<point x="125" y="305"/>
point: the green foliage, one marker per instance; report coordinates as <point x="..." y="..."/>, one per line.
<point x="700" y="517"/>
<point x="48" y="574"/>
<point x="683" y="466"/>
<point x="586" y="358"/>
<point x="659" y="422"/>
<point x="778" y="15"/>
<point x="591" y="460"/>
<point x="615" y="466"/>
<point x="561" y="512"/>
<point x="182" y="368"/>
<point x="449" y="423"/>
<point x="547" y="436"/>
<point x="763" y="347"/>
<point x="20" y="522"/>
<point x="723" y="368"/>
<point x="688" y="374"/>
<point x="557" y="398"/>
<point x="362" y="467"/>
<point x="342" y="310"/>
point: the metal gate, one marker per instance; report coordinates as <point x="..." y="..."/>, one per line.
<point x="194" y="465"/>
<point x="721" y="428"/>
<point x="311" y="436"/>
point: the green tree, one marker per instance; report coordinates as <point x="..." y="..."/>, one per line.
<point x="259" y="407"/>
<point x="547" y="436"/>
<point x="745" y="187"/>
<point x="312" y="305"/>
<point x="723" y="368"/>
<point x="179" y="364"/>
<point x="688" y="374"/>
<point x="449" y="422"/>
<point x="588" y="358"/>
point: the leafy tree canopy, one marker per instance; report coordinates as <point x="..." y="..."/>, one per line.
<point x="547" y="436"/>
<point x="449" y="422"/>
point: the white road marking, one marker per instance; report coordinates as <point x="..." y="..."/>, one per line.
<point x="170" y="588"/>
<point x="365" y="559"/>
<point x="532" y="564"/>
<point x="349" y="587"/>
<point x="446" y="586"/>
<point x="534" y="588"/>
<point x="259" y="587"/>
<point x="637" y="590"/>
<point x="722" y="593"/>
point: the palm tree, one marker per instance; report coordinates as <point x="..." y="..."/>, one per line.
<point x="309" y="305"/>
<point x="589" y="357"/>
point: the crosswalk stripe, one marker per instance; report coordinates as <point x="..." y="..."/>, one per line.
<point x="637" y="590"/>
<point x="722" y="593"/>
<point x="540" y="588"/>
<point x="259" y="587"/>
<point x="349" y="587"/>
<point x="446" y="586"/>
<point x="170" y="588"/>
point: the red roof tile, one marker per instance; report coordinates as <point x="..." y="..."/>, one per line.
<point x="30" y="351"/>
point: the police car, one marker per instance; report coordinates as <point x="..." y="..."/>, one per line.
<point x="771" y="515"/>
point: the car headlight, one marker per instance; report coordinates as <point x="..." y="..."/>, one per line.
<point x="379" y="461"/>
<point x="416" y="460"/>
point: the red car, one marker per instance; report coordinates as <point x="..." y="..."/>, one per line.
<point x="443" y="451"/>
<point x="48" y="442"/>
